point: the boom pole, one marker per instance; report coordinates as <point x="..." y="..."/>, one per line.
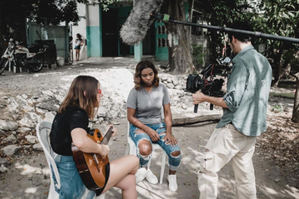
<point x="166" y="18"/>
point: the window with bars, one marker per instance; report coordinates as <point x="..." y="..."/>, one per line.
<point x="162" y="42"/>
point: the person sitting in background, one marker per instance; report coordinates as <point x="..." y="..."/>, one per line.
<point x="145" y="104"/>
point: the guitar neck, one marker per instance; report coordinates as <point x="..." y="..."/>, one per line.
<point x="107" y="136"/>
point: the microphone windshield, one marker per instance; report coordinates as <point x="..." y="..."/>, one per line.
<point x="139" y="20"/>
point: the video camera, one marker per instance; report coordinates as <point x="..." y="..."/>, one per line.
<point x="206" y="82"/>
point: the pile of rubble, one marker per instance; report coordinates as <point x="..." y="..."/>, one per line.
<point x="20" y="114"/>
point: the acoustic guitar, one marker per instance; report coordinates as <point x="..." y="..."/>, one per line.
<point x="92" y="167"/>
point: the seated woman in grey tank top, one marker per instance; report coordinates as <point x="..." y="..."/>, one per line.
<point x="146" y="104"/>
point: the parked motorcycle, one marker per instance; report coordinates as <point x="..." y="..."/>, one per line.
<point x="17" y="55"/>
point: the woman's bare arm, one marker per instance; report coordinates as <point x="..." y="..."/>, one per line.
<point x="168" y="118"/>
<point x="86" y="144"/>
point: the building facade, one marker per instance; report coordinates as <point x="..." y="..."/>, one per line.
<point x="101" y="30"/>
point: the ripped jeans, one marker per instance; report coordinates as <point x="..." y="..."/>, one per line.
<point x="173" y="161"/>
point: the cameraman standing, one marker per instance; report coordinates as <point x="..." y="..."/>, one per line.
<point x="244" y="118"/>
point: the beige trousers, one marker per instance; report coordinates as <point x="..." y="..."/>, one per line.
<point x="227" y="144"/>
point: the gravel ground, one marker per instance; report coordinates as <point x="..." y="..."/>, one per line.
<point x="275" y="159"/>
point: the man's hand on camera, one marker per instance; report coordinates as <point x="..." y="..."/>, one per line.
<point x="198" y="97"/>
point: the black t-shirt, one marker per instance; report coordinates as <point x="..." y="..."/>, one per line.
<point x="63" y="124"/>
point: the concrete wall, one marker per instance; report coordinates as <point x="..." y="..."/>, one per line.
<point x="93" y="31"/>
<point x="90" y="27"/>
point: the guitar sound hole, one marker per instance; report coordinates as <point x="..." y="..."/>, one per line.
<point x="91" y="131"/>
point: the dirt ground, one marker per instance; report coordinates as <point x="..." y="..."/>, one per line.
<point x="275" y="160"/>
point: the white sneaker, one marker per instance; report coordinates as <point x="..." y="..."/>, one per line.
<point x="140" y="174"/>
<point x="150" y="177"/>
<point x="173" y="186"/>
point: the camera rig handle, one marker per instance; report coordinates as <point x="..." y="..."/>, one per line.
<point x="192" y="86"/>
<point x="210" y="87"/>
<point x="195" y="108"/>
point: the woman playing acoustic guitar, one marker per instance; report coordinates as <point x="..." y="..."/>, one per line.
<point x="71" y="126"/>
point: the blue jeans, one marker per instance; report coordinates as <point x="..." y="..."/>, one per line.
<point x="173" y="161"/>
<point x="71" y="184"/>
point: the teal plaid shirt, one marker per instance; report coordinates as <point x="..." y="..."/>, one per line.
<point x="247" y="94"/>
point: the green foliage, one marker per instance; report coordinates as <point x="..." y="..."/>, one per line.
<point x="13" y="15"/>
<point x="104" y="3"/>
<point x="46" y="12"/>
<point x="198" y="56"/>
<point x="277" y="108"/>
<point x="279" y="17"/>
<point x="222" y="13"/>
<point x="69" y="12"/>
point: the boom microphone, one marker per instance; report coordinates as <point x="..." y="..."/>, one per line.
<point x="139" y="20"/>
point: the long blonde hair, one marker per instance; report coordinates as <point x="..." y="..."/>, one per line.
<point x="82" y="94"/>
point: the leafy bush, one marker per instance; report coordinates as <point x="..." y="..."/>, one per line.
<point x="198" y="56"/>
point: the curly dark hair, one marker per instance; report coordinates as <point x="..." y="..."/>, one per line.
<point x="139" y="68"/>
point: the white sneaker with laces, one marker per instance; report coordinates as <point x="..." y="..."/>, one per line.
<point x="173" y="186"/>
<point x="150" y="177"/>
<point x="140" y="174"/>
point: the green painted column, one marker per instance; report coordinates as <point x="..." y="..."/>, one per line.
<point x="94" y="31"/>
<point x="94" y="49"/>
<point x="138" y="51"/>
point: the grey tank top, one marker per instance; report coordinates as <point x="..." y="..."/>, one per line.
<point x="148" y="105"/>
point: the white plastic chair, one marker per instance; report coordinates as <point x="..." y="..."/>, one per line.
<point x="43" y="130"/>
<point x="155" y="147"/>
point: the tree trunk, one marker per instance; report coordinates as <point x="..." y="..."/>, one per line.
<point x="295" y="116"/>
<point x="278" y="72"/>
<point x="179" y="43"/>
<point x="282" y="71"/>
<point x="185" y="119"/>
<point x="278" y="63"/>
